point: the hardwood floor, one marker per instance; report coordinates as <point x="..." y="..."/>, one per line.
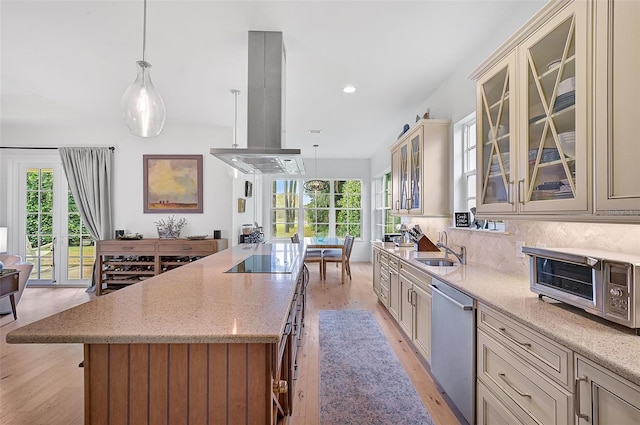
<point x="42" y="383"/>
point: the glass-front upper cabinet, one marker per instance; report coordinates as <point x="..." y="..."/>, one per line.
<point x="553" y="108"/>
<point x="495" y="123"/>
<point x="407" y="172"/>
<point x="420" y="170"/>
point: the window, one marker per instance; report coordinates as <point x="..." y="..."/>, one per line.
<point x="317" y="208"/>
<point x="465" y="172"/>
<point x="336" y="211"/>
<point x="384" y="222"/>
<point x="285" y="201"/>
<point x="347" y="196"/>
<point x="469" y="159"/>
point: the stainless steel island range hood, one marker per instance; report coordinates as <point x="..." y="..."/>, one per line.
<point x="265" y="152"/>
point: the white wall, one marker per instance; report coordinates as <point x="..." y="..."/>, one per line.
<point x="455" y="97"/>
<point x="218" y="211"/>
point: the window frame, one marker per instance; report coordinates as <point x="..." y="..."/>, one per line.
<point x="300" y="223"/>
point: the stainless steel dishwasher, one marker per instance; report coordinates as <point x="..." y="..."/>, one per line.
<point x="453" y="345"/>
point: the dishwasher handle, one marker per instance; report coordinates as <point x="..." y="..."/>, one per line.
<point x="462" y="306"/>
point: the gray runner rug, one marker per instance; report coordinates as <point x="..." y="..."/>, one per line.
<point x="361" y="380"/>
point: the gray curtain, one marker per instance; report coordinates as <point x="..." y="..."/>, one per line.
<point x="88" y="171"/>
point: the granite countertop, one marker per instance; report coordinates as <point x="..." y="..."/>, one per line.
<point x="196" y="303"/>
<point x="612" y="346"/>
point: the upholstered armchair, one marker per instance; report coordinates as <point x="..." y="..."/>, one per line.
<point x="15" y="262"/>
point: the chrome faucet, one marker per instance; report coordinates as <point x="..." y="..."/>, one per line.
<point x="443" y="237"/>
<point x="462" y="257"/>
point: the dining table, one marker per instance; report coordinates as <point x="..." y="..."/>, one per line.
<point x="315" y="242"/>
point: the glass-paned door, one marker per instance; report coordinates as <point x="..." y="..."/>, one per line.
<point x="496" y="160"/>
<point x="55" y="238"/>
<point x="555" y="102"/>
<point x="80" y="245"/>
<point x="39" y="212"/>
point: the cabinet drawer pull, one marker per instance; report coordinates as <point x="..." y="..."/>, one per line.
<point x="187" y="248"/>
<point x="520" y="393"/>
<point x="128" y="248"/>
<point x="524" y="344"/>
<point x="576" y="400"/>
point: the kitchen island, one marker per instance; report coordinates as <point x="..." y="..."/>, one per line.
<point x="193" y="345"/>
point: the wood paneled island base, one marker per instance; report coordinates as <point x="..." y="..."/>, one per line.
<point x="180" y="383"/>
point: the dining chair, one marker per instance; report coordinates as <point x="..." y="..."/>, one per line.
<point x="311" y="255"/>
<point x="331" y="257"/>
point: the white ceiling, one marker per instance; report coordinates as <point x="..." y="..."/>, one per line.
<point x="67" y="63"/>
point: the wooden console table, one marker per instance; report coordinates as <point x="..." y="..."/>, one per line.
<point x="125" y="262"/>
<point x="9" y="286"/>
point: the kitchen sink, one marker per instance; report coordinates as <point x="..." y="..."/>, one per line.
<point x="437" y="262"/>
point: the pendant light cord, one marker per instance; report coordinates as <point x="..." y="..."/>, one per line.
<point x="315" y="154"/>
<point x="144" y="30"/>
<point x="235" y="92"/>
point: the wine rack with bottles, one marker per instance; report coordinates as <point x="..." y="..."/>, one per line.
<point x="125" y="262"/>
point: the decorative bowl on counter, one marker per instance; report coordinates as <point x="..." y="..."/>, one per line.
<point x="197" y="237"/>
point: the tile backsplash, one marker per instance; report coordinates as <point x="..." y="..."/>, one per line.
<point x="498" y="250"/>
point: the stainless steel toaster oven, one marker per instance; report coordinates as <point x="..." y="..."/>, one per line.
<point x="603" y="283"/>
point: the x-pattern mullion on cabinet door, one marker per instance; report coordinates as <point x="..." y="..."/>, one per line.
<point x="548" y="105"/>
<point x="495" y="148"/>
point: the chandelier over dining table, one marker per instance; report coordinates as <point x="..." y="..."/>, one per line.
<point x="316" y="185"/>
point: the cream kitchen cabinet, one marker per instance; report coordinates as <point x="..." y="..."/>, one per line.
<point x="383" y="289"/>
<point x="616" y="105"/>
<point x="414" y="316"/>
<point x="496" y="127"/>
<point x="490" y="409"/>
<point x="377" y="270"/>
<point x="603" y="397"/>
<point x="532" y="108"/>
<point x="394" y="287"/>
<point x="420" y="170"/>
<point x="527" y="374"/>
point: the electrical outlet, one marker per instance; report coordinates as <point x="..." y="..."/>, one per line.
<point x="519" y="245"/>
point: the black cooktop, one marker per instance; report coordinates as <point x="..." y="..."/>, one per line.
<point x="262" y="264"/>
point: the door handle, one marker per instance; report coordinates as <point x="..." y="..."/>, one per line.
<point x="462" y="306"/>
<point x="520" y="393"/>
<point x="520" y="191"/>
<point x="576" y="400"/>
<point x="510" y="192"/>
<point x="504" y="331"/>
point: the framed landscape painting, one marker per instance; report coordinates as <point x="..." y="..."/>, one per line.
<point x="172" y="183"/>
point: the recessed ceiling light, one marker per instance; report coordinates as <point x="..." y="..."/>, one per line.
<point x="349" y="89"/>
<point x="315" y="131"/>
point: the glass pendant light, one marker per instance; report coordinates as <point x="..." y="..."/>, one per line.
<point x="316" y="185"/>
<point x="143" y="109"/>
